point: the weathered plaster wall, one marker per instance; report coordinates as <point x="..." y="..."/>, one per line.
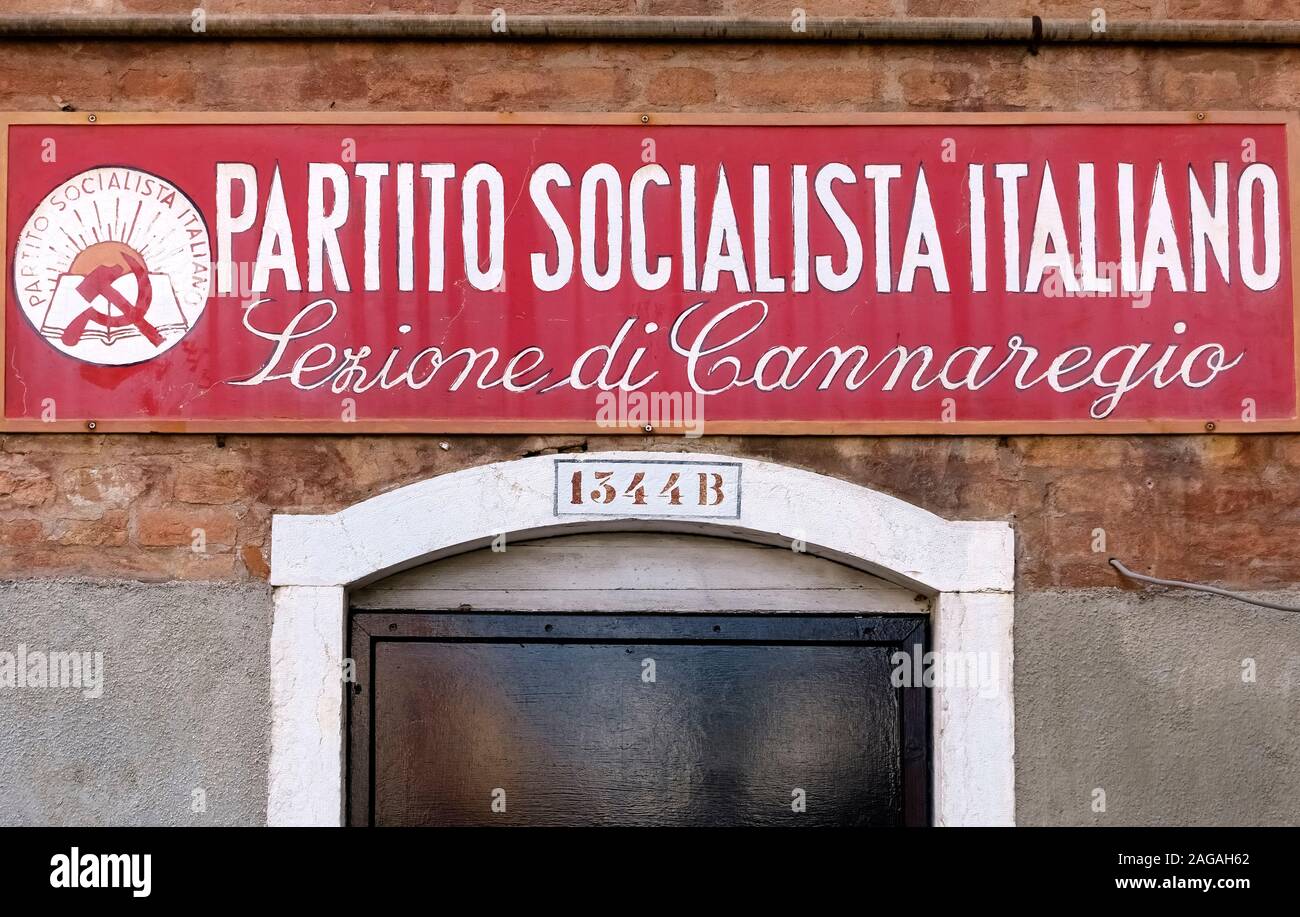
<point x="185" y="705"/>
<point x="1137" y="696"/>
<point x="1144" y="697"/>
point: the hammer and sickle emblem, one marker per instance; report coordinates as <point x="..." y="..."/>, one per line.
<point x="99" y="282"/>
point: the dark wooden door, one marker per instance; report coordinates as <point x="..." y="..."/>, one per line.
<point x="577" y="719"/>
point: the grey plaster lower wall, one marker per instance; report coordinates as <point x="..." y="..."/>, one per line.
<point x="1141" y="696"/>
<point x="185" y="705"/>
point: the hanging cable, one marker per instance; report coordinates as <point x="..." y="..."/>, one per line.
<point x="1199" y="587"/>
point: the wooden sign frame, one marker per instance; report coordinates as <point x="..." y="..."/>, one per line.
<point x="1291" y="121"/>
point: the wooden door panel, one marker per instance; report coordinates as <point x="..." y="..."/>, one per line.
<point x="556" y="721"/>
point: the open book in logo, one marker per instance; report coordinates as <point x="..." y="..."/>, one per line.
<point x="119" y="273"/>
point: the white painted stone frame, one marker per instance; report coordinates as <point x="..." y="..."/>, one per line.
<point x="965" y="567"/>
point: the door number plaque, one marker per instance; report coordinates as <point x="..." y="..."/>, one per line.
<point x="628" y="487"/>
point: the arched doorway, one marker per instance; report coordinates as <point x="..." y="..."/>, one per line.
<point x="961" y="570"/>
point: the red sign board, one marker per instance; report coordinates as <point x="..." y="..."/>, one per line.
<point x="984" y="273"/>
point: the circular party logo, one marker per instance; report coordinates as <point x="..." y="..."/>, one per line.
<point x="114" y="266"/>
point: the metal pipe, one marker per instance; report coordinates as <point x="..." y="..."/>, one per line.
<point x="1199" y="587"/>
<point x="420" y="27"/>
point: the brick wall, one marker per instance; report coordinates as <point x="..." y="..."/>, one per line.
<point x="1219" y="508"/>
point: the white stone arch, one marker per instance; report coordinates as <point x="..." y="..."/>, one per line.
<point x="966" y="568"/>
